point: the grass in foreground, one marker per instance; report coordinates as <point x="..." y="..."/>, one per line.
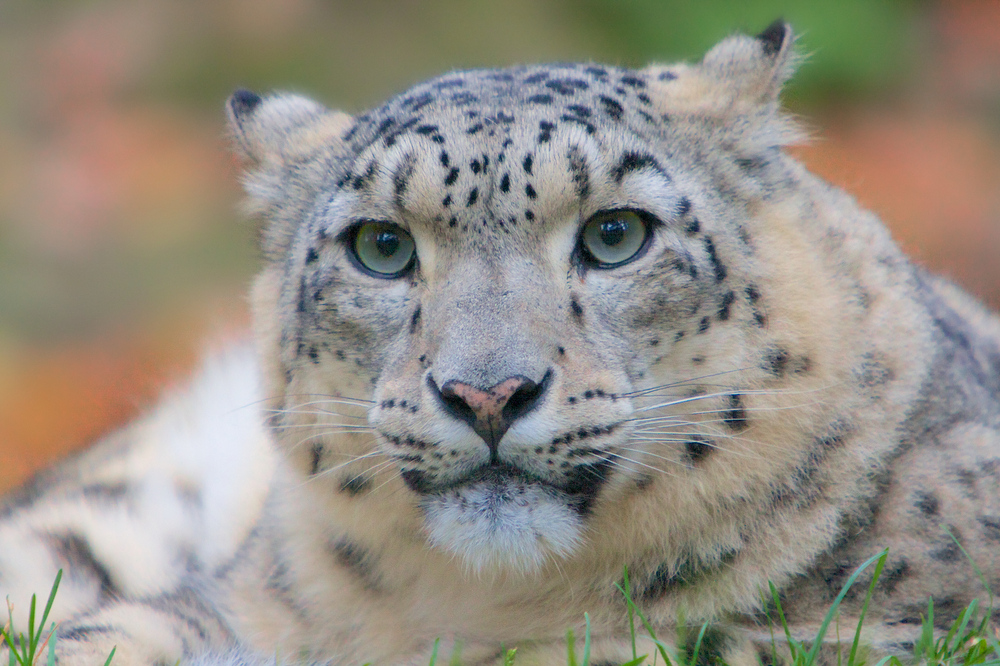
<point x="970" y="641"/>
<point x="28" y="650"/>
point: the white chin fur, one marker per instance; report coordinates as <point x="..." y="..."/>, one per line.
<point x="513" y="527"/>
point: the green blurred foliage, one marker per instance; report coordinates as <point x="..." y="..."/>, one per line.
<point x="356" y="52"/>
<point x="138" y="69"/>
<point x="854" y="47"/>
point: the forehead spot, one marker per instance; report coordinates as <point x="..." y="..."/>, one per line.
<point x="612" y="107"/>
<point x="633" y="81"/>
<point x="545" y="131"/>
<point x="567" y="87"/>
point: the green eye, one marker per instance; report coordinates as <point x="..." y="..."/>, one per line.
<point x="613" y="237"/>
<point x="385" y="249"/>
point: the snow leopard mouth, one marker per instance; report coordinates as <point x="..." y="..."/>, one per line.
<point x="578" y="488"/>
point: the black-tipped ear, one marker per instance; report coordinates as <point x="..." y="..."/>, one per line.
<point x="773" y="37"/>
<point x="738" y="81"/>
<point x="243" y="102"/>
<point x="279" y="126"/>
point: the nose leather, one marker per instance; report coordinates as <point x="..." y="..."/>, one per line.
<point x="491" y="411"/>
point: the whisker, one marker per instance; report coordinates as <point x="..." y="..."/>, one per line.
<point x="734" y="390"/>
<point x="354" y="402"/>
<point x="615" y="454"/>
<point x="391" y="478"/>
<point x="346" y="400"/>
<point x="667" y="423"/>
<point x="324" y="433"/>
<point x="710" y="444"/>
<point x="355" y="426"/>
<point x="314" y="412"/>
<point x="681" y="401"/>
<point x="370" y="454"/>
<point x="371" y="470"/>
<point x="663" y="458"/>
<point x="682" y="382"/>
<point x="756" y="409"/>
<point x="330" y="470"/>
<point x="330" y="402"/>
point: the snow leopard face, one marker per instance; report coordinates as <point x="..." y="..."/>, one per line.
<point x="512" y="266"/>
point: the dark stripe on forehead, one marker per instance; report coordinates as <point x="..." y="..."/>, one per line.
<point x="401" y="180"/>
<point x="633" y="161"/>
<point x="580" y="170"/>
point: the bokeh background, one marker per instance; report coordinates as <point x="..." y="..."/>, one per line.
<point x="121" y="252"/>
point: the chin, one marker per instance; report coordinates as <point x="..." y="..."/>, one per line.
<point x="503" y="526"/>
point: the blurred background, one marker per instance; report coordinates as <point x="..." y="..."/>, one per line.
<point x="121" y="252"/>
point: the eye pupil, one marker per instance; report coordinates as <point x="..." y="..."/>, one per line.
<point x="613" y="231"/>
<point x="387" y="242"/>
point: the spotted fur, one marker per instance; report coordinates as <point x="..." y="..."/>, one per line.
<point x="475" y="447"/>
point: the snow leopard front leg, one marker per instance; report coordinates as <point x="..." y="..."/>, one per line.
<point x="164" y="629"/>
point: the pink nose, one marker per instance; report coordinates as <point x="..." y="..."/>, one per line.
<point x="491" y="412"/>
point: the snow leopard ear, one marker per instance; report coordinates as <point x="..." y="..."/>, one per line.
<point x="289" y="142"/>
<point x="739" y="79"/>
<point x="281" y="127"/>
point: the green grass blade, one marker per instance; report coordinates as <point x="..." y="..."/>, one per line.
<point x="8" y="634"/>
<point x="51" y="661"/>
<point x="23" y="658"/>
<point x="456" y="654"/>
<point x="32" y="641"/>
<point x="649" y="628"/>
<point x="811" y="657"/>
<point x="894" y="661"/>
<point x="586" y="641"/>
<point x="992" y="643"/>
<point x="508" y="657"/>
<point x="925" y="645"/>
<point x="792" y="645"/>
<point x="110" y="656"/>
<point x="635" y="662"/>
<point x="957" y="630"/>
<point x="774" y="645"/>
<point x="697" y="644"/>
<point x="52" y="598"/>
<point x="570" y="648"/>
<point x="864" y="607"/>
<point x="975" y="567"/>
<point x="631" y="614"/>
<point x="434" y="651"/>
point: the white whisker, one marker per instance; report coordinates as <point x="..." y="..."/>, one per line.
<point x="617" y="455"/>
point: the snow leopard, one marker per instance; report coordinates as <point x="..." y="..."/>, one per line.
<point x="536" y="349"/>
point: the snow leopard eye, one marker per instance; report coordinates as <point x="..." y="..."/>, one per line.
<point x="386" y="250"/>
<point x="614" y="237"/>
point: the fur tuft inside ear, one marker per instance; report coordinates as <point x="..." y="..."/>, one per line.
<point x="754" y="67"/>
<point x="281" y="125"/>
<point x="738" y="82"/>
